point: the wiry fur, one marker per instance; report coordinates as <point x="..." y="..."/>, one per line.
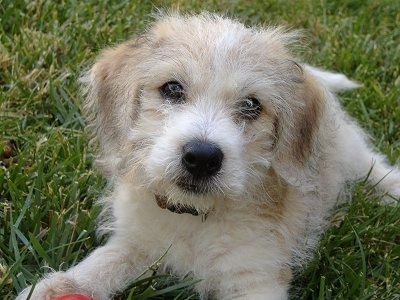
<point x="280" y="176"/>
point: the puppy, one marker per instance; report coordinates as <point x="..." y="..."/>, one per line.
<point x="222" y="151"/>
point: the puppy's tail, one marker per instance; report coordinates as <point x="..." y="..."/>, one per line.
<point x="335" y="82"/>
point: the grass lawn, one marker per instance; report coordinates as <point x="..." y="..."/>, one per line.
<point x="47" y="186"/>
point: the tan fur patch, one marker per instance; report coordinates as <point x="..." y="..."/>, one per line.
<point x="307" y="122"/>
<point x="278" y="191"/>
<point x="285" y="275"/>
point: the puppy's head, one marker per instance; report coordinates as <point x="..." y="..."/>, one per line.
<point x="199" y="108"/>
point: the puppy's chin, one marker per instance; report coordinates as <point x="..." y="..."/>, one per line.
<point x="192" y="188"/>
<point x="198" y="187"/>
<point x="198" y="196"/>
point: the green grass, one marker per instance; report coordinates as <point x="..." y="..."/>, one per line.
<point x="47" y="192"/>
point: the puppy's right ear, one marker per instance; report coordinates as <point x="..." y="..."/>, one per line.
<point x="110" y="88"/>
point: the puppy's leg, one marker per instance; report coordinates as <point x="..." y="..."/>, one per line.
<point x="273" y="291"/>
<point x="249" y="271"/>
<point x="107" y="270"/>
<point x="252" y="286"/>
<point x="359" y="160"/>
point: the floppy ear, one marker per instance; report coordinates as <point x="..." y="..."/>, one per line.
<point x="110" y="99"/>
<point x="298" y="128"/>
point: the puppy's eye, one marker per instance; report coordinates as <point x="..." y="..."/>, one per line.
<point x="173" y="91"/>
<point x="250" y="109"/>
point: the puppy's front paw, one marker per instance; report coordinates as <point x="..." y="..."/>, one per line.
<point x="56" y="284"/>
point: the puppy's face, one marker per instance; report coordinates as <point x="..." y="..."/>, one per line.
<point x="198" y="109"/>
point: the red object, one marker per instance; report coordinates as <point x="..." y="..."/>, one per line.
<point x="72" y="297"/>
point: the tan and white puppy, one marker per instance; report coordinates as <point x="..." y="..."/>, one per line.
<point x="221" y="148"/>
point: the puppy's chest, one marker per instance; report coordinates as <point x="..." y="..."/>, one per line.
<point x="189" y="241"/>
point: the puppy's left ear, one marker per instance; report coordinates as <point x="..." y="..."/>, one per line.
<point x="299" y="123"/>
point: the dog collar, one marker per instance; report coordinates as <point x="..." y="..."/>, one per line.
<point x="162" y="202"/>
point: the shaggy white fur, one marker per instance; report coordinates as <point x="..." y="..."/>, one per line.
<point x="221" y="147"/>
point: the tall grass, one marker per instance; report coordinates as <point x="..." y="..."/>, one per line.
<point x="48" y="188"/>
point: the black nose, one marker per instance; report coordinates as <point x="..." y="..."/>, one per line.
<point x="202" y="159"/>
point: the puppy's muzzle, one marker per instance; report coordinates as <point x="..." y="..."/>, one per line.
<point x="202" y="159"/>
